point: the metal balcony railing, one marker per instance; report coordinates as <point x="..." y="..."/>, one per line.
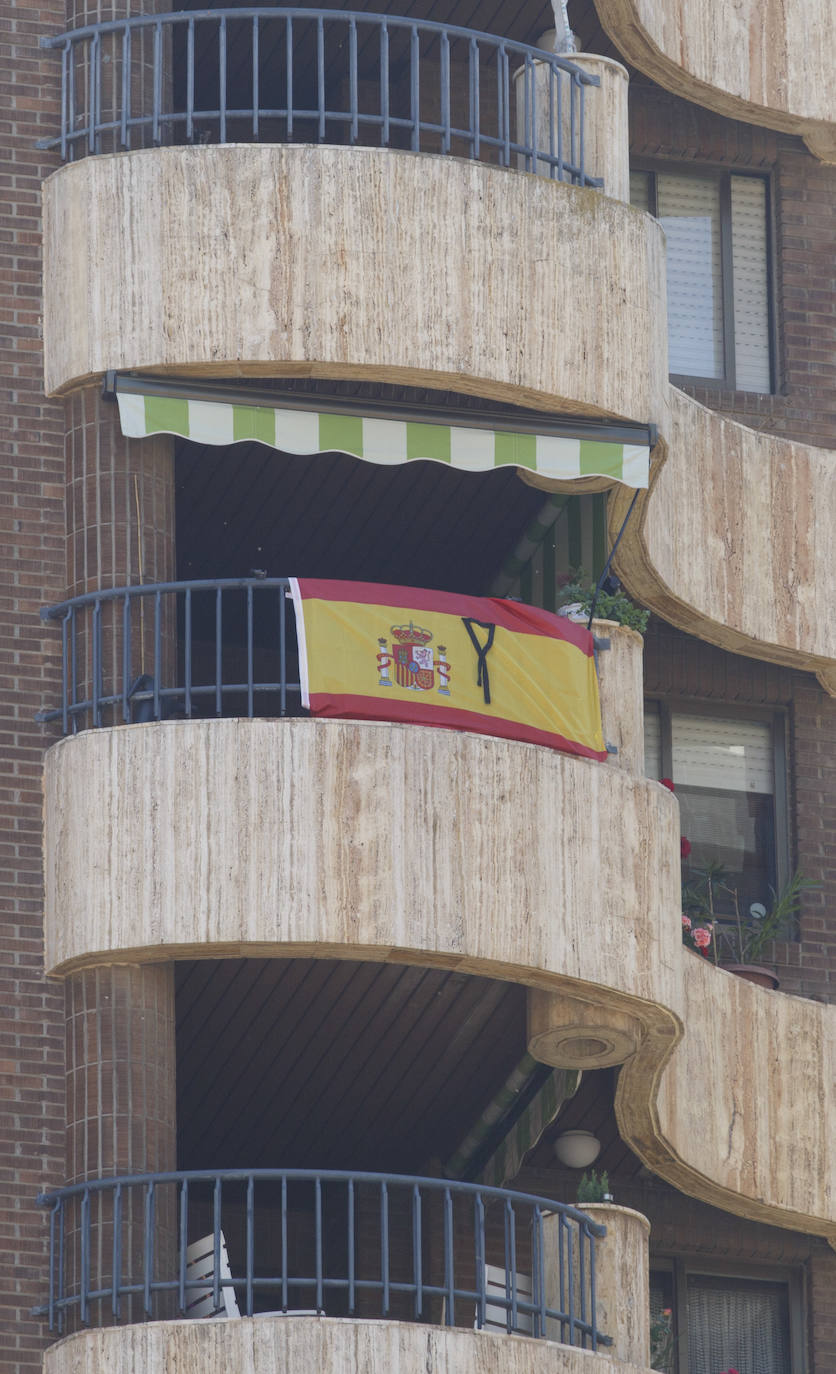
<point x="342" y="1244"/>
<point x="176" y="649"/>
<point x="318" y="76"/>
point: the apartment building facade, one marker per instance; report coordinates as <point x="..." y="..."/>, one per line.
<point x="414" y="300"/>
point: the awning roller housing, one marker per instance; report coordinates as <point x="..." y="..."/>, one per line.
<point x="209" y="416"/>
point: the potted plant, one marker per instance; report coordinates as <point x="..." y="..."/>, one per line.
<point x="737" y="942"/>
<point x="576" y="596"/>
<point x="594" y="1187"/>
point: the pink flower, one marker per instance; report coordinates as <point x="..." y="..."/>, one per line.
<point x="667" y="782"/>
<point x="684" y="847"/>
<point x="702" y="938"/>
<point x="686" y="921"/>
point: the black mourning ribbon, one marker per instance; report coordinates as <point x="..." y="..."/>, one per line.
<point x="482" y="679"/>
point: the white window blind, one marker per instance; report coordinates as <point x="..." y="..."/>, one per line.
<point x="689" y="211"/>
<point x="717" y="272"/>
<point x="652" y="743"/>
<point x="751" y="283"/>
<point x="640" y="191"/>
<point x="722" y="754"/>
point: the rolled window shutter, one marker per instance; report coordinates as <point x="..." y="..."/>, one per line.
<point x="751" y="283"/>
<point x="722" y="754"/>
<point x="689" y="210"/>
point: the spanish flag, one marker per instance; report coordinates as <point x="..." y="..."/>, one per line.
<point x="370" y="651"/>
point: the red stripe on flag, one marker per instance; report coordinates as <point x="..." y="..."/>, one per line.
<point x="346" y="707"/>
<point x="509" y="615"/>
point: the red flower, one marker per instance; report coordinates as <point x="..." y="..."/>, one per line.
<point x="702" y="938"/>
<point x="684" y="847"/>
<point x="667" y="782"/>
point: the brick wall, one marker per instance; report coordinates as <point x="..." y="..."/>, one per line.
<point x="803" y="190"/>
<point x="33" y="571"/>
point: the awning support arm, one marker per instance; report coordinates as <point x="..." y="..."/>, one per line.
<point x="606" y="567"/>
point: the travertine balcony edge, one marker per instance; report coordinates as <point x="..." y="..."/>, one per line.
<point x="734" y="542"/>
<point x="727" y="59"/>
<point x="282" y="260"/>
<point x="300" y="1344"/>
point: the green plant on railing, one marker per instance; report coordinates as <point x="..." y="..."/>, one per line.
<point x="661" y="1341"/>
<point x="744" y="938"/>
<point x="594" y="1187"/>
<point x="580" y="591"/>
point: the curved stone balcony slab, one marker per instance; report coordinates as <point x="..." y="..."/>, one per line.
<point x="768" y="64"/>
<point x="297" y="1345"/>
<point x="279" y="260"/>
<point x="736" y="540"/>
<point x="745" y="1112"/>
<point x="300" y="837"/>
<point x="297" y="838"/>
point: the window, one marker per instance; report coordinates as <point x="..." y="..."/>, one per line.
<point x="734" y="1319"/>
<point x="729" y="775"/>
<point x="716" y="225"/>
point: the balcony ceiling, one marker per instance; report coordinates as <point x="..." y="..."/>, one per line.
<point x="335" y="1064"/>
<point x="421" y="524"/>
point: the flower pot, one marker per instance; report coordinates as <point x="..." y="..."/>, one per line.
<point x="753" y="973"/>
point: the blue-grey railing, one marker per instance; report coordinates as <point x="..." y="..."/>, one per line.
<point x="374" y="1244"/>
<point x="319" y="76"/>
<point x="170" y="649"/>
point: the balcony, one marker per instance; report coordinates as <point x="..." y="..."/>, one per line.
<point x="340" y="802"/>
<point x="326" y="1243"/>
<point x="326" y="239"/>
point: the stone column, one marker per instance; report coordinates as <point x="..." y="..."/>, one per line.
<point x="121" y="1119"/>
<point x="622" y="1280"/>
<point x="108" y="72"/>
<point x="606" y="136"/>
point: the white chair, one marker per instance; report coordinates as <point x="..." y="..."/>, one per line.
<point x="200" y="1264"/>
<point x="496" y="1314"/>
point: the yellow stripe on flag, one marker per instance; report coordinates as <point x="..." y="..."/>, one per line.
<point x="535" y="681"/>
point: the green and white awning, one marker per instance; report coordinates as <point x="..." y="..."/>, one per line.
<point x="385" y="441"/>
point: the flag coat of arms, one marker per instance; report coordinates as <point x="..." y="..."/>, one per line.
<point x="372" y="651"/>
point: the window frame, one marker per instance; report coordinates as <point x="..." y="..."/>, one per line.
<point x="681" y="1267"/>
<point x="724" y="173"/>
<point x="778" y="718"/>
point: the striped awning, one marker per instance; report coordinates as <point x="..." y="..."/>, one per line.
<point x="385" y="441"/>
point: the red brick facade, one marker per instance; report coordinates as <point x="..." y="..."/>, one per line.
<point x="33" y="567"/>
<point x="91" y="495"/>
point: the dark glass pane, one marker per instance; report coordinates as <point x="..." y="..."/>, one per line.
<point x="662" y="1325"/>
<point x="736" y="830"/>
